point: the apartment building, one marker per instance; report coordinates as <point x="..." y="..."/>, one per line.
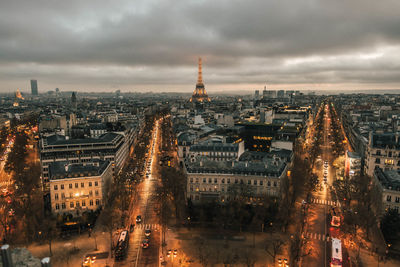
<point x="216" y="149"/>
<point x="383" y="151"/>
<point x="108" y="147"/>
<point x="224" y="180"/>
<point x="388" y="183"/>
<point x="75" y="188"/>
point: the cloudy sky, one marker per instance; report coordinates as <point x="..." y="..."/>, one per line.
<point x="153" y="45"/>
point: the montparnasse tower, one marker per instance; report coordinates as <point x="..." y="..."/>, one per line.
<point x="200" y="94"/>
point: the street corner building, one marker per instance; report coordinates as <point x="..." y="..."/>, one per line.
<point x="76" y="188"/>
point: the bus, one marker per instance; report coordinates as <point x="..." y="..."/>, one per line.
<point x="122" y="245"/>
<point x="336" y="257"/>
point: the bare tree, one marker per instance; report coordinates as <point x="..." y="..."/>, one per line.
<point x="273" y="247"/>
<point x="249" y="257"/>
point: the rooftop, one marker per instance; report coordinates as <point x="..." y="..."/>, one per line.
<point x="388" y="179"/>
<point x="62" y="140"/>
<point x="272" y="167"/>
<point x="211" y="145"/>
<point x="383" y="140"/>
<point x="62" y="169"/>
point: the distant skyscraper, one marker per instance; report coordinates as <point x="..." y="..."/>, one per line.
<point x="34" y="87"/>
<point x="257" y="95"/>
<point x="281" y="93"/>
<point x="73" y="101"/>
<point x="200" y="94"/>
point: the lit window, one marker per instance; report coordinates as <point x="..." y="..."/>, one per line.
<point x="389" y="161"/>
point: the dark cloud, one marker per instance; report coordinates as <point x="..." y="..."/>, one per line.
<point x="101" y="43"/>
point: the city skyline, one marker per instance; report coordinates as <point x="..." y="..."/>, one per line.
<point x="141" y="47"/>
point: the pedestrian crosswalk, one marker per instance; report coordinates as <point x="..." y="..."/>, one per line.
<point x="325" y="202"/>
<point x="5" y="183"/>
<point x="316" y="236"/>
<point x="152" y="226"/>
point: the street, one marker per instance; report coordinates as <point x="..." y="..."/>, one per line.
<point x="318" y="233"/>
<point x="145" y="204"/>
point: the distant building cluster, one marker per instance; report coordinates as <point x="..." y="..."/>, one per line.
<point x="233" y="146"/>
<point x="372" y="124"/>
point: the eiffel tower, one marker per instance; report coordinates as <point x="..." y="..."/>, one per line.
<point x="200" y="94"/>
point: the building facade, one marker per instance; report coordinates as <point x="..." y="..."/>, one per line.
<point x="388" y="183"/>
<point x="226" y="180"/>
<point x="57" y="148"/>
<point x="383" y="151"/>
<point x="75" y="188"/>
<point x="216" y="150"/>
<point x="352" y="164"/>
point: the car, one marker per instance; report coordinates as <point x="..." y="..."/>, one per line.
<point x="139" y="219"/>
<point x="169" y="252"/>
<point x="279" y="262"/>
<point x="175" y="252"/>
<point x="335" y="221"/>
<point x="147" y="233"/>
<point x="145" y="243"/>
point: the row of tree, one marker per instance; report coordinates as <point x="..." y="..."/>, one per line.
<point x="26" y="207"/>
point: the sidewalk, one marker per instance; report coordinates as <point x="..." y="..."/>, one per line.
<point x="215" y="248"/>
<point x="71" y="252"/>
